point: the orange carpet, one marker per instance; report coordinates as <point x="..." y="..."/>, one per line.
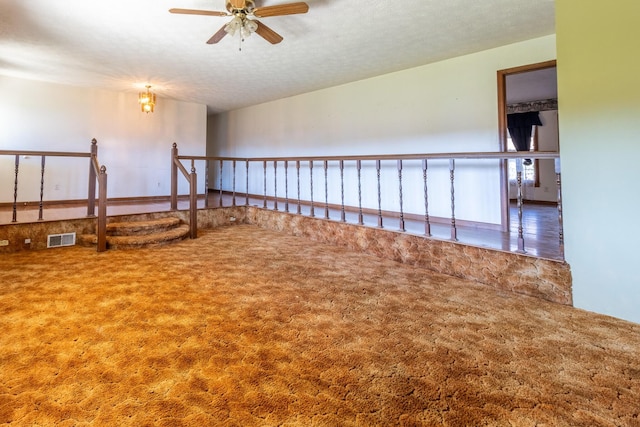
<point x="248" y="327"/>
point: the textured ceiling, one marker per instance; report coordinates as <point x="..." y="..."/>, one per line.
<point x="121" y="45"/>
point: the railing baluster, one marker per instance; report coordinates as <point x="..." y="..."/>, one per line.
<point x="15" y="190"/>
<point x="220" y="200"/>
<point x="299" y="210"/>
<point x="360" y="216"/>
<point x="519" y="201"/>
<point x="264" y="170"/>
<point x="41" y="187"/>
<point x="379" y="195"/>
<point x="286" y="185"/>
<point x="233" y="198"/>
<point x="206" y="183"/>
<point x="452" y="169"/>
<point x="326" y="190"/>
<point x="246" y="201"/>
<point x="342" y="215"/>
<point x="427" y="224"/>
<point x="311" y="186"/>
<point x="275" y="185"/>
<point x="400" y="194"/>
<point x="560" y="220"/>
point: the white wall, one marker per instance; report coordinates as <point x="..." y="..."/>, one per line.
<point x="134" y="146"/>
<point x="447" y="106"/>
<point x="599" y="110"/>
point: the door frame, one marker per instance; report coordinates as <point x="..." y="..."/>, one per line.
<point x="502" y="131"/>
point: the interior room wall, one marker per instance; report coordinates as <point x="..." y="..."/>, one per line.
<point x="448" y="106"/>
<point x="135" y="147"/>
<point x="599" y="112"/>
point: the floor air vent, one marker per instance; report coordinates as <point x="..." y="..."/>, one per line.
<point x="57" y="240"/>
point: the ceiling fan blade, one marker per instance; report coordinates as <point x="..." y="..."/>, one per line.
<point x="267" y="33"/>
<point x="281" y="9"/>
<point x="218" y="36"/>
<point x="198" y="12"/>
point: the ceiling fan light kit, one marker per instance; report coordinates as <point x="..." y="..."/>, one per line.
<point x="244" y="22"/>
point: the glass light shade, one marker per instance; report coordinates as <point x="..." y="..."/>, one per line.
<point x="147" y="101"/>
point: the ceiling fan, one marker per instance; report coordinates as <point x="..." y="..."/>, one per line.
<point x="244" y="13"/>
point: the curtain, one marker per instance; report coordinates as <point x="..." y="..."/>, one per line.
<point x="520" y="127"/>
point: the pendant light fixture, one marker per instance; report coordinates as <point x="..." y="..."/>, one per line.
<point x="147" y="100"/>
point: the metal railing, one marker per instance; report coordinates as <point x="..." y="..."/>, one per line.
<point x="96" y="173"/>
<point x="403" y="187"/>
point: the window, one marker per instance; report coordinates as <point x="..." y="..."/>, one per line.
<point x="530" y="173"/>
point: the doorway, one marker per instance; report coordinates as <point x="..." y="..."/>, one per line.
<point x="523" y="89"/>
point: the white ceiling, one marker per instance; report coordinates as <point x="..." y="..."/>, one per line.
<point x="121" y="45"/>
<point x="532" y="85"/>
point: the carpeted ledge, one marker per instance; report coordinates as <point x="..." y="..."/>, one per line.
<point x="542" y="278"/>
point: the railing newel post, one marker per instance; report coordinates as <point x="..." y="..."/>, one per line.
<point x="193" y="202"/>
<point x="174" y="177"/>
<point x="101" y="231"/>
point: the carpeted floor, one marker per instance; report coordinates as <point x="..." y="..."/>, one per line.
<point x="248" y="327"/>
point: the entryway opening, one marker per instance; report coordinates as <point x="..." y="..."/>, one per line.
<point x="528" y="99"/>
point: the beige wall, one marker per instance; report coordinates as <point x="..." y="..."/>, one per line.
<point x="134" y="146"/>
<point x="599" y="109"/>
<point x="447" y="106"/>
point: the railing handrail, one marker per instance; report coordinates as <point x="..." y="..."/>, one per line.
<point x="182" y="168"/>
<point x="43" y="153"/>
<point x="461" y="155"/>
<point x="101" y="176"/>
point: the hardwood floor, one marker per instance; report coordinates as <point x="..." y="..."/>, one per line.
<point x="540" y="222"/>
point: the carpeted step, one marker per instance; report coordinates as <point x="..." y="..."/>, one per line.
<point x="138" y="234"/>
<point x="138" y="240"/>
<point x="150" y="226"/>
